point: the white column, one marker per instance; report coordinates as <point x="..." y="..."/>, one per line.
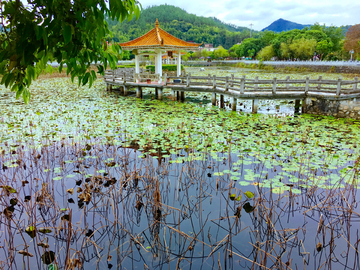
<point x="137" y="64"/>
<point x="159" y="64"/>
<point x="179" y="63"/>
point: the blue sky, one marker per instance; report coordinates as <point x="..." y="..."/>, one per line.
<point x="261" y="13"/>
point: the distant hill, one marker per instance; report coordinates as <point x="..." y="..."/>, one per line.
<point x="284" y="25"/>
<point x="178" y="22"/>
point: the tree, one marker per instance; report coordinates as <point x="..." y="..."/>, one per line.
<point x="266" y="53"/>
<point x="250" y="45"/>
<point x="205" y="53"/>
<point x="324" y="47"/>
<point x="352" y="39"/>
<point x="71" y="33"/>
<point x="303" y="48"/>
<point x="220" y="52"/>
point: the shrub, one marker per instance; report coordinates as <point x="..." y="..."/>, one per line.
<point x="261" y="64"/>
<point x="126" y="66"/>
<point x="165" y="67"/>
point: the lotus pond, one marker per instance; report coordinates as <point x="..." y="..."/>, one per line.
<point x="93" y="180"/>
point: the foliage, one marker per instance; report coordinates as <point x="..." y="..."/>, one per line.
<point x="324" y="47"/>
<point x="303" y="48"/>
<point x="352" y="40"/>
<point x="71" y="33"/>
<point x="220" y="52"/>
<point x="266" y="53"/>
<point x="164" y="67"/>
<point x="249" y="47"/>
<point x="126" y="66"/>
<point x="205" y="53"/>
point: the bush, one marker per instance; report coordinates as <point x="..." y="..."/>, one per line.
<point x="261" y="64"/>
<point x="165" y="67"/>
<point x="126" y="66"/>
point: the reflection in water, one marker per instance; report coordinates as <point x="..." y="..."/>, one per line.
<point x="94" y="205"/>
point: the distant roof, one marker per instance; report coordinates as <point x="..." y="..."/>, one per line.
<point x="158" y="38"/>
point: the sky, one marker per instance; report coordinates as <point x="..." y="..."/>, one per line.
<point x="261" y="13"/>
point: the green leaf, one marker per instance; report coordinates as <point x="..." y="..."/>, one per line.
<point x="67" y="33"/>
<point x="249" y="194"/>
<point x="8" y="189"/>
<point x="53" y="267"/>
<point x="31" y="231"/>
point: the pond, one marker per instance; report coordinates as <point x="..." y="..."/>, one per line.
<point x="92" y="180"/>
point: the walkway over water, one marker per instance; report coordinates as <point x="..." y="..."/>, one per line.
<point x="238" y="88"/>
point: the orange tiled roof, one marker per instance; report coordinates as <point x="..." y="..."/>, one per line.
<point x="158" y="38"/>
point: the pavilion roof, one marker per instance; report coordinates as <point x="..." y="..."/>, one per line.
<point x="158" y="39"/>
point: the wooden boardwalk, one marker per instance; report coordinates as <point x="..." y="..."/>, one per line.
<point x="238" y="88"/>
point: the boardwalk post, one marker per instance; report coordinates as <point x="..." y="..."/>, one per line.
<point x="255" y="104"/>
<point x="222" y="101"/>
<point x="297" y="105"/>
<point x="307" y="85"/>
<point x="156" y="93"/>
<point x="188" y="79"/>
<point x="303" y="108"/>
<point x="177" y="95"/>
<point x="242" y="85"/>
<point x="256" y="85"/>
<point x="232" y="80"/>
<point x="227" y="84"/>
<point x="173" y="94"/>
<point x="338" y="87"/>
<point x="165" y="79"/>
<point x="274" y="87"/>
<point x="356" y="81"/>
<point x="213" y="99"/>
<point x="139" y="92"/>
<point x="125" y="90"/>
<point x="287" y="83"/>
<point x="182" y="96"/>
<point x="233" y="104"/>
<point x="319" y="85"/>
<point x="209" y="79"/>
<point x="214" y="81"/>
<point x="160" y="93"/>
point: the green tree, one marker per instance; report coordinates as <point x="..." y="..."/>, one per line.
<point x="285" y="51"/>
<point x="324" y="47"/>
<point x="205" y="53"/>
<point x="235" y="50"/>
<point x="69" y="32"/>
<point x="220" y="52"/>
<point x="250" y="45"/>
<point x="266" y="53"/>
<point x="303" y="48"/>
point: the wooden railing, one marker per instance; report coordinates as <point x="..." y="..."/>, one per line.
<point x="241" y="85"/>
<point x="274" y="86"/>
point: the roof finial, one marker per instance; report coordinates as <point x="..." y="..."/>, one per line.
<point x="157" y="23"/>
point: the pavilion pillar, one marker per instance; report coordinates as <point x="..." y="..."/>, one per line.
<point x="159" y="56"/>
<point x="137" y="64"/>
<point x="179" y="63"/>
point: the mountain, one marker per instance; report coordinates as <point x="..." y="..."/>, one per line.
<point x="284" y="25"/>
<point x="183" y="25"/>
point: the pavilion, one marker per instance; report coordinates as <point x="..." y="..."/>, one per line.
<point x="158" y="42"/>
